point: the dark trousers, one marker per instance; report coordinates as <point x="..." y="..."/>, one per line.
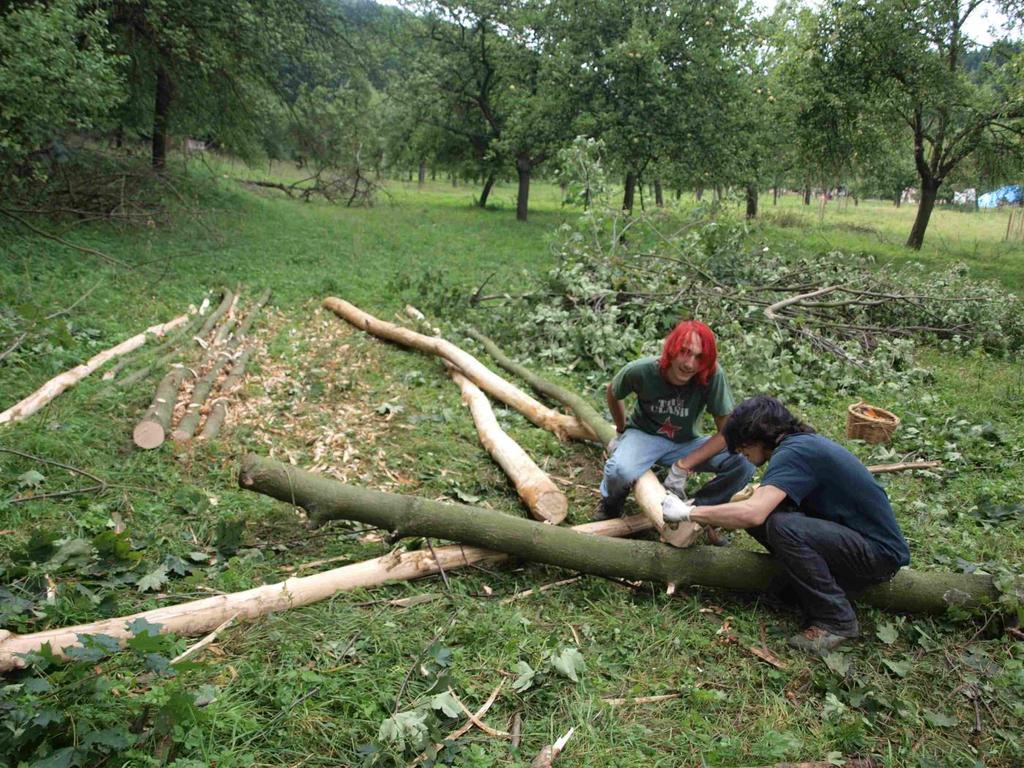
<point x="825" y="564"/>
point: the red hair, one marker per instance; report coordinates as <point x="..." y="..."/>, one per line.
<point x="680" y="336"/>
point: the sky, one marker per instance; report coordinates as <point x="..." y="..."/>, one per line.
<point x="978" y="26"/>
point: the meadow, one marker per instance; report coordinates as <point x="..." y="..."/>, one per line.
<point x="353" y="680"/>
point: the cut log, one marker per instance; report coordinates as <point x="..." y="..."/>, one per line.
<point x="227" y="300"/>
<point x="217" y="361"/>
<point x="200" y="617"/>
<point x="648" y="491"/>
<point x="903" y="466"/>
<point x="538" y="492"/>
<point x="724" y="568"/>
<point x="174" y="341"/>
<point x="190" y="421"/>
<point x="152" y="429"/>
<point x="219" y="410"/>
<point x="497" y="387"/>
<point x="68" y="379"/>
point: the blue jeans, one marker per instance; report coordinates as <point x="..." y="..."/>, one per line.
<point x="638" y="451"/>
<point x="825" y="564"/>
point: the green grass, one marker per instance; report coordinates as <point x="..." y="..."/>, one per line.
<point x="880" y="229"/>
<point x="312" y="686"/>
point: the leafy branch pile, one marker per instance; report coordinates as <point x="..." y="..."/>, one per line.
<point x="622" y="281"/>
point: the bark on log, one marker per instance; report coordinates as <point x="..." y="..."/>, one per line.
<point x="190" y="421"/>
<point x="648" y="491"/>
<point x="173" y="342"/>
<point x="559" y="423"/>
<point x="219" y="410"/>
<point x="186" y="428"/>
<point x="68" y="379"/>
<point x="200" y="617"/>
<point x="227" y="299"/>
<point x="728" y="568"/>
<point x="152" y="429"/>
<point x="540" y="495"/>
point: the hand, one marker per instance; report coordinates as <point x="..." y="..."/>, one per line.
<point x="676" y="481"/>
<point x="675" y="511"/>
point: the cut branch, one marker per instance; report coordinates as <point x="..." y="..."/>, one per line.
<point x="729" y="568"/>
<point x="540" y="495"/>
<point x="771" y="311"/>
<point x="203" y="616"/>
<point x="648" y="491"/>
<point x="68" y="379"/>
<point x="497" y="387"/>
<point x="152" y="429"/>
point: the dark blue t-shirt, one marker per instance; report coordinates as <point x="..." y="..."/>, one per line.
<point x="826" y="481"/>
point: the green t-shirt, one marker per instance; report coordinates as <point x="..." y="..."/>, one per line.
<point x="668" y="410"/>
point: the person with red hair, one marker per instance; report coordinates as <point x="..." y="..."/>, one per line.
<point x="673" y="392"/>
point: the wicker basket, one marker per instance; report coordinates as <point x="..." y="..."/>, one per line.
<point x="870" y="423"/>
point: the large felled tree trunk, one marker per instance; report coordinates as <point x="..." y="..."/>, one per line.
<point x="929" y="192"/>
<point x="544" y="417"/>
<point x="729" y="568"/>
<point x="648" y="491"/>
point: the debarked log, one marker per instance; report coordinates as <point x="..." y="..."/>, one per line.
<point x="541" y="496"/>
<point x="69" y="378"/>
<point x="202" y="616"/>
<point x="493" y="384"/>
<point x="648" y="490"/>
<point x="725" y="568"/>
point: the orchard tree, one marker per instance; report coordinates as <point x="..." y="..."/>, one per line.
<point x="909" y="62"/>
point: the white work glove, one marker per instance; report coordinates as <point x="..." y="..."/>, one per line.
<point x="675" y="511"/>
<point x="676" y="481"/>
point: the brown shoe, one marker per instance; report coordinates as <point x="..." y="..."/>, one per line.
<point x="817" y="640"/>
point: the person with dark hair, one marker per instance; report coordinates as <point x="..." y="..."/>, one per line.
<point x="672" y="393"/>
<point x="817" y="510"/>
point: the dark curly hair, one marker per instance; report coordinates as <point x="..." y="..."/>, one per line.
<point x="761" y="419"/>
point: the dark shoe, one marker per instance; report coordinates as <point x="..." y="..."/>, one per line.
<point x="817" y="640"/>
<point x="608" y="509"/>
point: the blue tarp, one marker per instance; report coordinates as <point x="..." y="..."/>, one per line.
<point x="1002" y="196"/>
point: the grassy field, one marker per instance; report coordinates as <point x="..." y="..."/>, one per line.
<point x="313" y="686"/>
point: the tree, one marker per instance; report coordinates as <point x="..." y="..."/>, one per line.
<point x="57" y="73"/>
<point x="907" y="62"/>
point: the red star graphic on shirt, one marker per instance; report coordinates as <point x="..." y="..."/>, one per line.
<point x="668" y="429"/>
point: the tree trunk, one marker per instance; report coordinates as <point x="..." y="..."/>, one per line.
<point x="523" y="169"/>
<point x="752" y="192"/>
<point x="558" y="423"/>
<point x="202" y="616"/>
<point x="775" y="195"/>
<point x="729" y="568"/>
<point x="929" y="191"/>
<point x="151" y="431"/>
<point x="648" y="491"/>
<point x="629" y="192"/>
<point x="161" y="112"/>
<point x="421" y="178"/>
<point x="69" y="378"/>
<point x="807" y="195"/>
<point x="540" y="495"/>
<point x="486" y="191"/>
<point x="698" y="193"/>
<point x="659" y="196"/>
